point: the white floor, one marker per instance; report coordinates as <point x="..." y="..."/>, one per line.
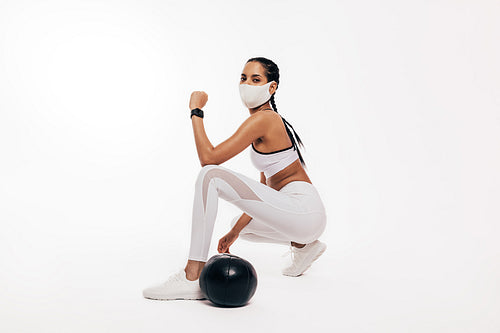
<point x="362" y="288"/>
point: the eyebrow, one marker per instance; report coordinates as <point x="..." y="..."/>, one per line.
<point x="251" y="75"/>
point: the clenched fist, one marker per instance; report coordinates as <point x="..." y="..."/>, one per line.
<point x="198" y="99"/>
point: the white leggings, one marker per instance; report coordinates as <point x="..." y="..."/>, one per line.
<point x="294" y="213"/>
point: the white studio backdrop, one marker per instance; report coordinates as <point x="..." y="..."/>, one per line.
<point x="397" y="103"/>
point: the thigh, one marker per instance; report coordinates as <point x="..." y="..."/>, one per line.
<point x="256" y="226"/>
<point x="279" y="210"/>
<point x="233" y="186"/>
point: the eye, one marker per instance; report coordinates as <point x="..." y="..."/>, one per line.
<point x="256" y="80"/>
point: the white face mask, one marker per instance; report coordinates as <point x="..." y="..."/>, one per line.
<point x="253" y="96"/>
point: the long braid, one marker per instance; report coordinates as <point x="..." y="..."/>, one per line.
<point x="273" y="74"/>
<point x="273" y="104"/>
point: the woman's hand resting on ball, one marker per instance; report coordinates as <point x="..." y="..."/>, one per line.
<point x="226" y="241"/>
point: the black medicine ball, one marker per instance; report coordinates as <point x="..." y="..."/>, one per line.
<point x="228" y="280"/>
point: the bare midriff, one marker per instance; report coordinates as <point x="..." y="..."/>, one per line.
<point x="291" y="173"/>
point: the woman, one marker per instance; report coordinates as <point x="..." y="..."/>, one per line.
<point x="284" y="207"/>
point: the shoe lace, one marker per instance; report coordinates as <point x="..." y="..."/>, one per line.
<point x="290" y="253"/>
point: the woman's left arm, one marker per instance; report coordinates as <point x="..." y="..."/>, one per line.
<point x="203" y="144"/>
<point x="252" y="128"/>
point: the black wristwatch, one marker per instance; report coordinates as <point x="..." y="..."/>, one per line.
<point x="197" y="112"/>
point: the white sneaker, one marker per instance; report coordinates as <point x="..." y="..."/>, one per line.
<point x="302" y="258"/>
<point x="177" y="286"/>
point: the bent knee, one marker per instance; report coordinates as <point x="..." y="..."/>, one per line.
<point x="205" y="170"/>
<point x="210" y="166"/>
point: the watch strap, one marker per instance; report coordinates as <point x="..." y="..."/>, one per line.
<point x="197" y="112"/>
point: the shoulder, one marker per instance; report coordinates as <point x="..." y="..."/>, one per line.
<point x="267" y="117"/>
<point x="260" y="119"/>
<point x="262" y="122"/>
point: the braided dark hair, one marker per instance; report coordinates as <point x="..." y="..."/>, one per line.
<point x="273" y="74"/>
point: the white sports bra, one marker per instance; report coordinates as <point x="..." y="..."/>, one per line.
<point x="271" y="163"/>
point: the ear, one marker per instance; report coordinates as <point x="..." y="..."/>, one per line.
<point x="273" y="87"/>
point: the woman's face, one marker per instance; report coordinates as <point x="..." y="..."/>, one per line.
<point x="253" y="74"/>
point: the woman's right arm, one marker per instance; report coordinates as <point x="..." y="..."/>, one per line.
<point x="241" y="223"/>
